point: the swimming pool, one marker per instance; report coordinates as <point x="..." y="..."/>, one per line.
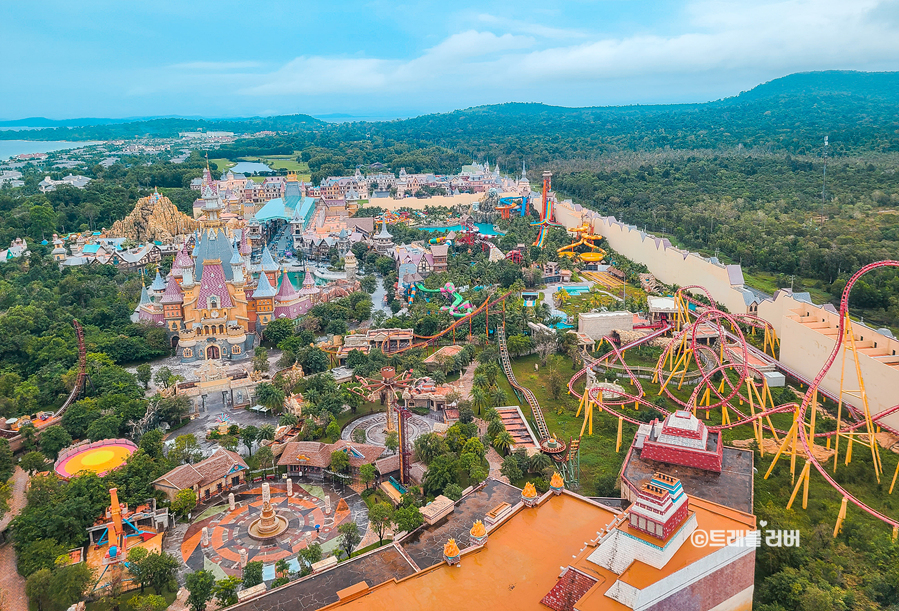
<point x="575" y="290"/>
<point x="486" y="229"/>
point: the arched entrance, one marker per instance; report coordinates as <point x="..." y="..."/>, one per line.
<point x="174" y="342"/>
<point x="212" y="352"/>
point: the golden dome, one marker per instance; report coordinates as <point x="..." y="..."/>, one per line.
<point x="556" y="481"/>
<point x="478" y="529"/>
<point x="529" y="491"/>
<point x="451" y="550"/>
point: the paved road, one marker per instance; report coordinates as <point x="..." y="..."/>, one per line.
<point x="12" y="585"/>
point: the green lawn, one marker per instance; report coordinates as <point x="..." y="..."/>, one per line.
<point x="284" y="162"/>
<point x="124" y="598"/>
<point x="223" y="164"/>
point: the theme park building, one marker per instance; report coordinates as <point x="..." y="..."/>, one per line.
<point x="215" y="301"/>
<point x="683" y="446"/>
<point x="501" y="547"/>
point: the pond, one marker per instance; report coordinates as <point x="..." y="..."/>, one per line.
<point x="250" y="167"/>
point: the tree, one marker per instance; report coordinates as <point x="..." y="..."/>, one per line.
<point x="174" y="408"/>
<point x="288" y="419"/>
<point x="277" y="331"/>
<point x="68" y="584"/>
<point x="249" y="435"/>
<point x="53" y="439"/>
<point x="349" y="537"/>
<point x="309" y="555"/>
<point x="270" y="396"/>
<point x="392" y="441"/>
<point x="155" y="569"/>
<point x="495" y="428"/>
<point x="538" y="462"/>
<point x="260" y="359"/>
<point x="381" y="517"/>
<point x="453" y="491"/>
<point x="466" y="416"/>
<point x="201" y="585"/>
<point x="511" y="469"/>
<point x="503" y="442"/>
<point x="138" y="567"/>
<point x="340" y="462"/>
<point x="499" y="398"/>
<point x="164" y="377"/>
<point x="282" y="568"/>
<point x="229" y="442"/>
<point x="367" y="474"/>
<point x="104" y="427"/>
<point x="556" y="382"/>
<point x="151" y="443"/>
<point x="252" y="574"/>
<point x="37" y="588"/>
<point x="359" y="435"/>
<point x="332" y="431"/>
<point x="266" y="458"/>
<point x="144" y="374"/>
<point x="33" y="462"/>
<point x="225" y="590"/>
<point x="7" y="462"/>
<point x="479" y="398"/>
<point x="185" y="450"/>
<point x="267" y="432"/>
<point x="184" y="502"/>
<point x="149" y="602"/>
<point x="407" y="518"/>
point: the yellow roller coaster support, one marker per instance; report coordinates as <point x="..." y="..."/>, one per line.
<point x="841" y="517"/>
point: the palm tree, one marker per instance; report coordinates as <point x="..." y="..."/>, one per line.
<point x="479" y="399"/>
<point x="288" y="419"/>
<point x="495" y="428"/>
<point x="503" y="442"/>
<point x="270" y="396"/>
<point x="491" y="414"/>
<point x="282" y="568"/>
<point x="267" y="431"/>
<point x="481" y="381"/>
<point x="499" y="397"/>
<point x="538" y="462"/>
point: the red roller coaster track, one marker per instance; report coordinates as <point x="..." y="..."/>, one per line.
<point x="711" y="315"/>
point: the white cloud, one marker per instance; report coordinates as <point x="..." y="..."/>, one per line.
<point x="718" y="39"/>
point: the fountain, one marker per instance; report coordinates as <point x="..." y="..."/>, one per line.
<point x="269" y="525"/>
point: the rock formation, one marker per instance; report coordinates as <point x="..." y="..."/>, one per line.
<point x="154" y="218"/>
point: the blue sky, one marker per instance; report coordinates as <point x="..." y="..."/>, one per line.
<point x="64" y="59"/>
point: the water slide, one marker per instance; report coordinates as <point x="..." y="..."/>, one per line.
<point x="587" y="237"/>
<point x="460" y="306"/>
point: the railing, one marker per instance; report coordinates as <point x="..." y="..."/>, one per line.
<point x="522" y="392"/>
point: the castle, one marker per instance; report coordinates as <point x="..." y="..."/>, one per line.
<point x="215" y="301"/>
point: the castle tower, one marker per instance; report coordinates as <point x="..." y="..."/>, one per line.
<point x="287" y="301"/>
<point x="264" y="297"/>
<point x="158" y="287"/>
<point x="269" y="268"/>
<point x="350" y="265"/>
<point x="237" y="277"/>
<point x="172" y="301"/>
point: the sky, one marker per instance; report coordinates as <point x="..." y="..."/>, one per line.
<point x="382" y="58"/>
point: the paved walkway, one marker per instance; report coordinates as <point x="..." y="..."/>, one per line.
<point x="466" y="380"/>
<point x="12" y="585"/>
<point x="496" y="462"/>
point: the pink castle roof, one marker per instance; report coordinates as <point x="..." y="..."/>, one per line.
<point x="182" y="260"/>
<point x="213" y="283"/>
<point x="172" y="292"/>
<point x="286" y="292"/>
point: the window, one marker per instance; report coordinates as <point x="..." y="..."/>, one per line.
<point x="235" y="350"/>
<point x="188" y="352"/>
